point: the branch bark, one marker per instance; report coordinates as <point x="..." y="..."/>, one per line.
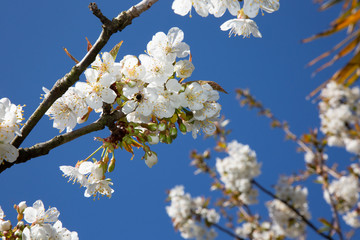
<point x="44" y="148"/>
<point x="60" y="87"/>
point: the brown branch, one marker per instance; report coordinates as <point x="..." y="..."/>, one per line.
<point x="60" y="87"/>
<point x="44" y="148"/>
<point x="96" y="11"/>
<point x="303" y="218"/>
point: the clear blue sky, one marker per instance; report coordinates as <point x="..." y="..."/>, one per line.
<point x="33" y="34"/>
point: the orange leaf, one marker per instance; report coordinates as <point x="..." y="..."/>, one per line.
<point x="72" y="58"/>
<point x="89" y="45"/>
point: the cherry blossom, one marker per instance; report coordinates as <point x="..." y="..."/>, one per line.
<point x="219" y="7"/>
<point x="107" y="65"/>
<point x="251" y="7"/>
<point x="239" y="27"/>
<point x="37" y="214"/>
<point x="157" y="71"/>
<point x="168" y="47"/>
<point x="66" y="110"/>
<point x="184" y="68"/>
<point x="181" y="211"/>
<point x="131" y="69"/>
<point x="97" y="89"/>
<point x="183" y="7"/>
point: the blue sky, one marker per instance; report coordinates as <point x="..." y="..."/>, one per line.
<point x="33" y="35"/>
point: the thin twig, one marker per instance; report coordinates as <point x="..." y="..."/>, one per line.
<point x="303" y="218"/>
<point x="60" y="87"/>
<point x="96" y="11"/>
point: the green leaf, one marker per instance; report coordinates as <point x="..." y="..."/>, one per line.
<point x="115" y="50"/>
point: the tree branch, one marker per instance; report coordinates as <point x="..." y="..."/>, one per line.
<point x="303" y="218"/>
<point x="60" y="87"/>
<point x="44" y="148"/>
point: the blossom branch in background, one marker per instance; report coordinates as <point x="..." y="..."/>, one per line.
<point x="310" y="224"/>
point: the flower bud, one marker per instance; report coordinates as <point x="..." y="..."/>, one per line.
<point x="111" y="164"/>
<point x="182" y="128"/>
<point x="152" y="126"/>
<point x="5" y="225"/>
<point x="162" y="127"/>
<point x="153" y="139"/>
<point x="168" y="139"/>
<point x="18" y="233"/>
<point x="20" y="225"/>
<point x="22" y="206"/>
<point x="173" y="131"/>
<point x="162" y="138"/>
<point x="151" y="159"/>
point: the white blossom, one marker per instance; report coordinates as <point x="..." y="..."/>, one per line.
<point x="194" y="96"/>
<point x="285" y="221"/>
<point x="251" y="7"/>
<point x="181" y="212"/>
<point x="168" y="47"/>
<point x="107" y="65"/>
<point x="37" y="214"/>
<point x="344" y="191"/>
<point x="339" y="113"/>
<point x="10" y="117"/>
<point x="352" y="218"/>
<point x="66" y="110"/>
<point x="97" y="89"/>
<point x="91" y="176"/>
<point x="239" y="27"/>
<point x="8" y="152"/>
<point x="237" y="170"/>
<point x="151" y="159"/>
<point x="218" y="7"/>
<point x="131" y="68"/>
<point x="157" y="71"/>
<point x="184" y="68"/>
<point x="183" y="7"/>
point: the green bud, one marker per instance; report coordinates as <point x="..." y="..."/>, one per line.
<point x="173" y="131"/>
<point x="162" y="127"/>
<point x="18" y="234"/>
<point x="168" y="139"/>
<point x="182" y="128"/>
<point x="153" y="139"/>
<point x="112" y="164"/>
<point x="152" y="127"/>
<point x="162" y="138"/>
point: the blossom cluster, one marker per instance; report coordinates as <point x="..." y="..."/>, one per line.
<point x="344" y="192"/>
<point x="339" y="115"/>
<point x="10" y="118"/>
<point x="185" y="212"/>
<point x="242" y="25"/>
<point x="238" y="169"/>
<point x="150" y="90"/>
<point x="284" y="220"/>
<point x="254" y="230"/>
<point x="90" y="175"/>
<point x="41" y="224"/>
